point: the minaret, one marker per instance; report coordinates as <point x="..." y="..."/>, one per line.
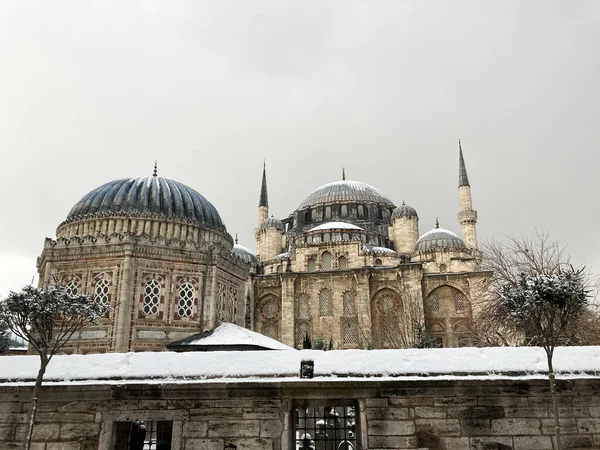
<point x="467" y="215"/>
<point x="263" y="203"/>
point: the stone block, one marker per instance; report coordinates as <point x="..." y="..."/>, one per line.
<point x="251" y="444"/>
<point x="394" y="442"/>
<point x="476" y="412"/>
<point x="234" y="403"/>
<point x="92" y="334"/>
<point x="411" y="401"/>
<point x="260" y="413"/>
<point x="204" y="444"/>
<point x="492" y="443"/>
<point x="591" y="425"/>
<point x="455" y="401"/>
<point x="152" y="404"/>
<point x="532" y="443"/>
<point x="195" y="429"/>
<point x="377" y="402"/>
<point x="526" y="412"/>
<point x="151" y="334"/>
<point x="270" y="428"/>
<point x="7" y="432"/>
<point x="389" y="413"/>
<point x="46" y="432"/>
<point x="566" y="426"/>
<point x="233" y="428"/>
<point x="594" y="411"/>
<point x="390" y="428"/>
<point x="429" y="412"/>
<point x="516" y="426"/>
<point x="476" y="427"/>
<point x="215" y="413"/>
<point x="570" y="411"/>
<point x="502" y="401"/>
<point x="573" y="441"/>
<point x="439" y="427"/>
<point x="63" y="446"/>
<point x="455" y="443"/>
<point x="78" y="431"/>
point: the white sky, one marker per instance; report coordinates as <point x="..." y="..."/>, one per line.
<point x="93" y="91"/>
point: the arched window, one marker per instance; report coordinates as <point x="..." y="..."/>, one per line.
<point x="270" y="329"/>
<point x="232" y="305"/>
<point x="443" y="268"/>
<point x="378" y="262"/>
<point x="326" y="261"/>
<point x="186" y="300"/>
<point x="219" y="304"/>
<point x="348" y="304"/>
<point x="278" y="268"/>
<point x="72" y="286"/>
<point x="325" y="303"/>
<point x="303" y="306"/>
<point x="269" y="316"/>
<point x="459" y="303"/>
<point x="350" y="332"/>
<point x="386" y="317"/>
<point x="302" y="330"/>
<point x="432" y="304"/>
<point x="311" y="265"/>
<point x="102" y="290"/>
<point x="342" y="263"/>
<point x="151" y="297"/>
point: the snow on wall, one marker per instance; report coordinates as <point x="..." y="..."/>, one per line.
<point x="280" y="365"/>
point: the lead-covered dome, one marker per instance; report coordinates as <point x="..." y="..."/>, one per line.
<point x="438" y="239"/>
<point x="347" y="192"/>
<point x="404" y="211"/>
<point x="149" y="195"/>
<point x="244" y="253"/>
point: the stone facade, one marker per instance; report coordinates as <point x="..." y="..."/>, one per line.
<point x="260" y="415"/>
<point x="348" y="267"/>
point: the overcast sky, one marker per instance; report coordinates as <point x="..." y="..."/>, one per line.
<point x="94" y="91"/>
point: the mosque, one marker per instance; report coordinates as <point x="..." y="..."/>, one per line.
<point x="347" y="267"/>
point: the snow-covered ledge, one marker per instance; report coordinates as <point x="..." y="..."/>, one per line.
<point x="284" y="365"/>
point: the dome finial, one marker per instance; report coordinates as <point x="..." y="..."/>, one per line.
<point x="403" y="204"/>
<point x="343" y="174"/>
<point x="154" y="174"/>
<point x="236" y="238"/>
<point x="437" y="223"/>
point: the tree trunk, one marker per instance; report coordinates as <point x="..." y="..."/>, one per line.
<point x="34" y="403"/>
<point x="552" y="380"/>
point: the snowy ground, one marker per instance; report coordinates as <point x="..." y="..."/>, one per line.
<point x="277" y="365"/>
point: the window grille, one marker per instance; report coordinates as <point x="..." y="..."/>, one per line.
<point x="310" y="265"/>
<point x="151" y="297"/>
<point x="328" y="427"/>
<point x="219" y="305"/>
<point x="144" y="435"/>
<point x="350" y="331"/>
<point x="326" y="261"/>
<point x="72" y="287"/>
<point x="303" y="307"/>
<point x="186" y="300"/>
<point x="325" y="303"/>
<point x="348" y="301"/>
<point x="102" y="291"/>
<point x="232" y="305"/>
<point x="342" y="263"/>
<point x="387" y="305"/>
<point x="269" y="329"/>
<point x="433" y="304"/>
<point x="302" y="330"/>
<point x="270" y="310"/>
<point x="459" y="303"/>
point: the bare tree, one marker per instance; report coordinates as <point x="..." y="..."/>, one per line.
<point x="47" y="319"/>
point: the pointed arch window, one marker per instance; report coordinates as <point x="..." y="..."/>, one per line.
<point x="219" y="304"/>
<point x="151" y="297"/>
<point x="325" y="303"/>
<point x="311" y="265"/>
<point x="232" y="304"/>
<point x="303" y="306"/>
<point x="72" y="286"/>
<point x="102" y="290"/>
<point x="186" y="300"/>
<point x="270" y="315"/>
<point x="459" y="303"/>
<point x="350" y="332"/>
<point x="326" y="261"/>
<point x="342" y="263"/>
<point x="349" y="308"/>
<point x="432" y="304"/>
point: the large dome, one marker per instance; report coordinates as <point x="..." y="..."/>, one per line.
<point x="347" y="192"/>
<point x="148" y="195"/>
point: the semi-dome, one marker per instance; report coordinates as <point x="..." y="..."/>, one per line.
<point x="336" y="226"/>
<point x="244" y="253"/>
<point x="148" y="195"/>
<point x="347" y="192"/>
<point x="404" y="211"/>
<point x="273" y="222"/>
<point x="437" y="239"/>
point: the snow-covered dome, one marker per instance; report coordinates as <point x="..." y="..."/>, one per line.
<point x="373" y="249"/>
<point x="336" y="226"/>
<point x="244" y="253"/>
<point x="273" y="222"/>
<point x="404" y="211"/>
<point x="345" y="191"/>
<point x="439" y="238"/>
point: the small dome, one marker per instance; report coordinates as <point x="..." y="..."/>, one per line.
<point x="336" y="226"/>
<point x="404" y="211"/>
<point x="347" y="192"/>
<point x="273" y="222"/>
<point x="439" y="238"/>
<point x="148" y="195"/>
<point x="244" y="253"/>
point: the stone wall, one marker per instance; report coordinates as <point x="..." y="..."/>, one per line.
<point x="425" y="415"/>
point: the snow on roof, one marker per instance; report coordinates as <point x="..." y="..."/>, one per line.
<point x="375" y="249"/>
<point x="336" y="226"/>
<point x="229" y="334"/>
<point x="263" y="366"/>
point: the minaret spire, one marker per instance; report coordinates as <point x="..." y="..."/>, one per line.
<point x="154" y="174"/>
<point x="343" y="174"/>
<point x="264" y="198"/>
<point x="463" y="178"/>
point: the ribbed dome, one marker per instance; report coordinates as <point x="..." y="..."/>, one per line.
<point x="345" y="191"/>
<point x="439" y="238"/>
<point x="148" y="195"/>
<point x="404" y="211"/>
<point x="273" y="222"/>
<point x="244" y="253"/>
